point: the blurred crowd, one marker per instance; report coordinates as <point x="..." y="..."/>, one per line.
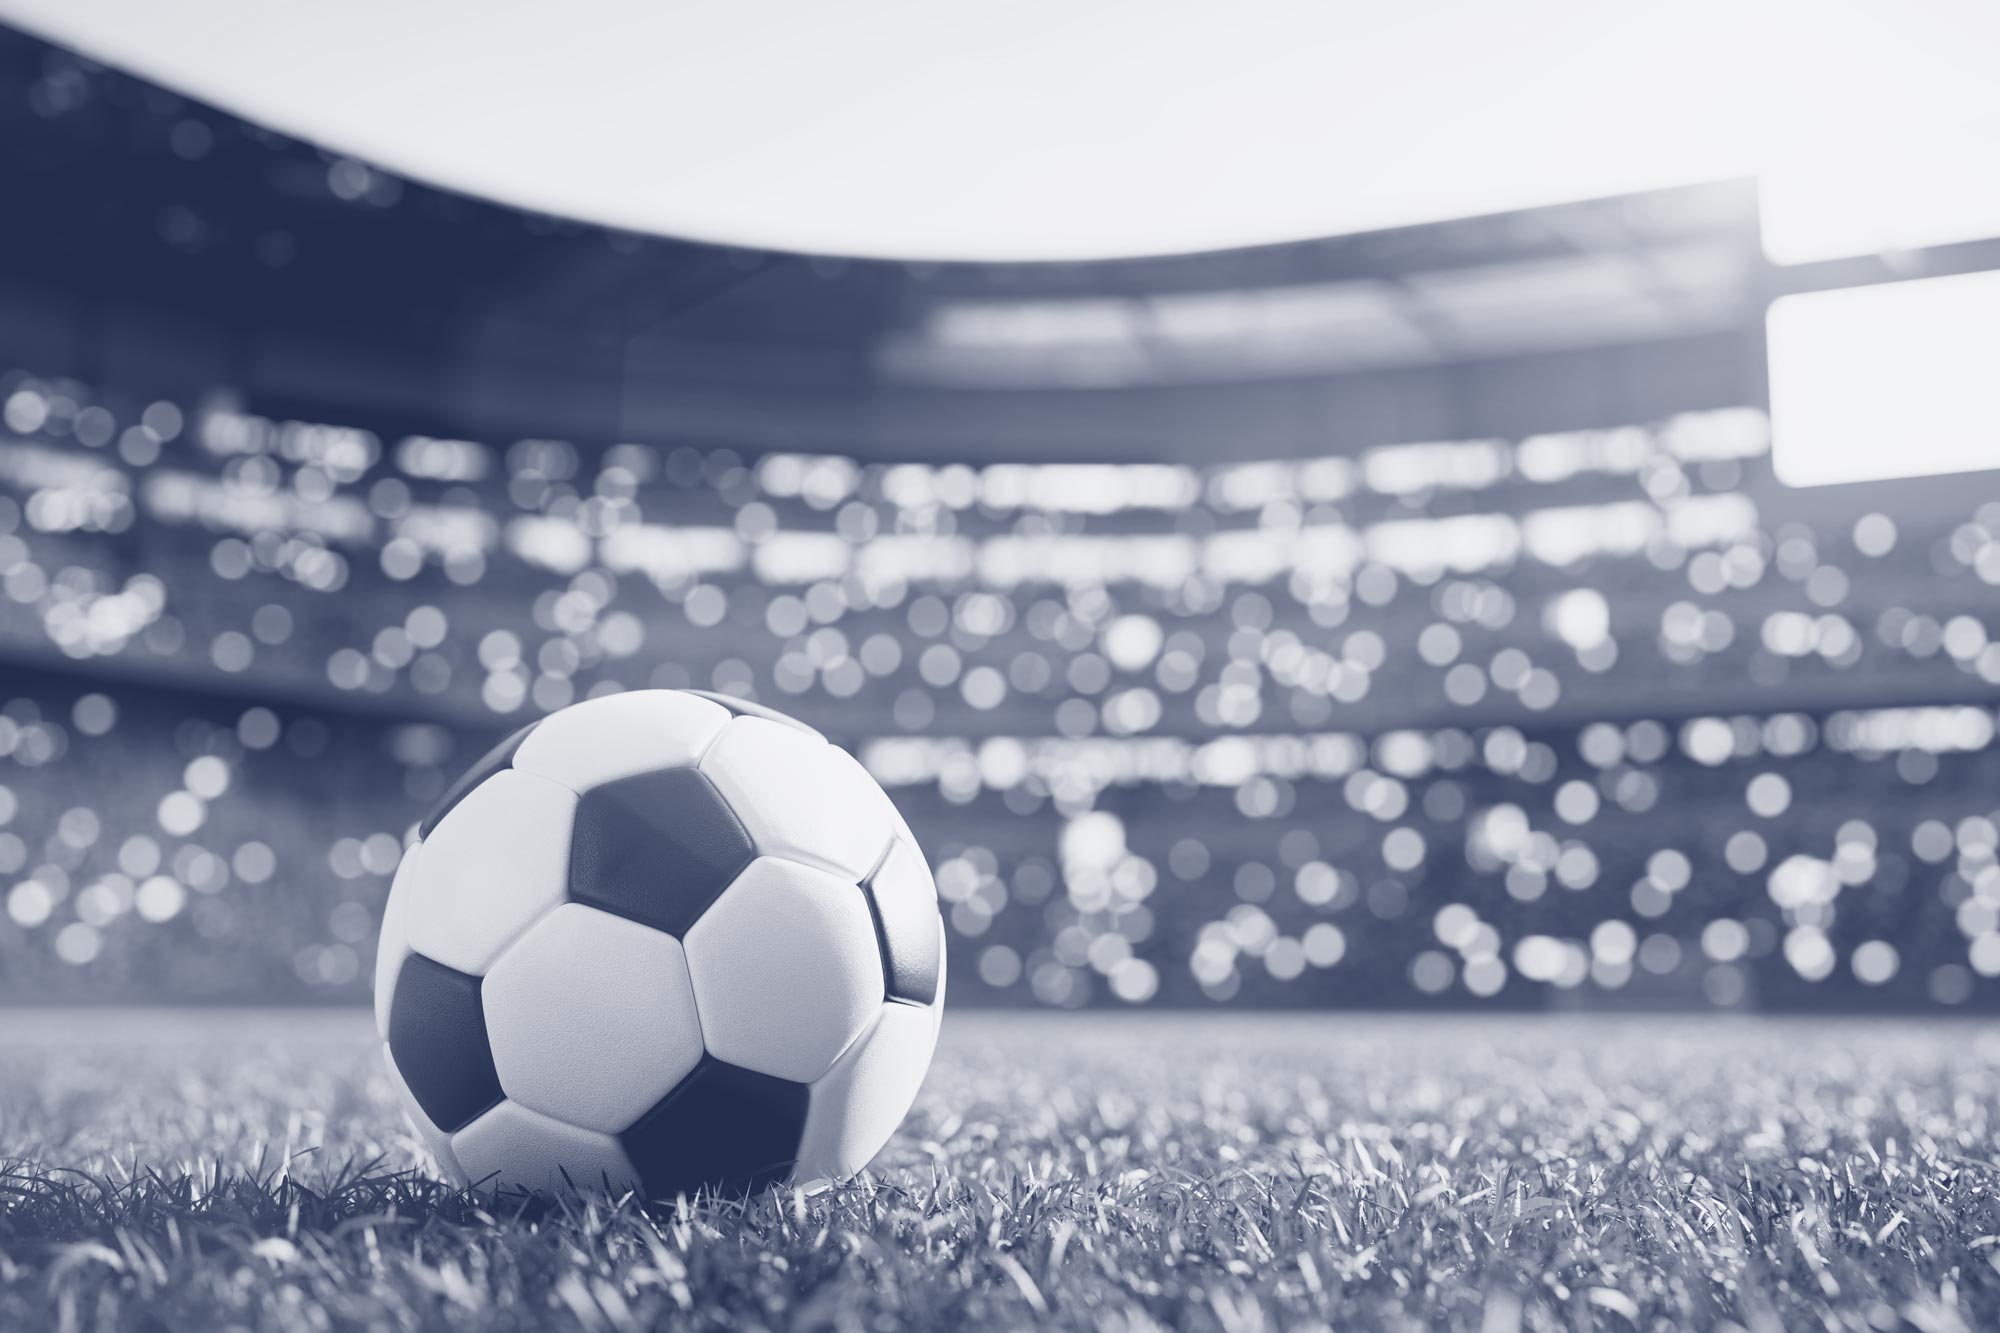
<point x="1562" y="719"/>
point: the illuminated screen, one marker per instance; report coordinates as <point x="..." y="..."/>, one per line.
<point x="1896" y="380"/>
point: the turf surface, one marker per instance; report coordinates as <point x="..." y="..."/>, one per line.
<point x="177" y="1171"/>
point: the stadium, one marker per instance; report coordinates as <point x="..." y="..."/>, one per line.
<point x="1481" y="620"/>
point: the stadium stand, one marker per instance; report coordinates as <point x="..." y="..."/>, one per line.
<point x="1520" y="718"/>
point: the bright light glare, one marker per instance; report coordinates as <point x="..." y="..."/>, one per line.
<point x="1897" y="380"/>
<point x="1921" y="190"/>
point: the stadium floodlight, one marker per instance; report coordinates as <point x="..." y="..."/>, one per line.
<point x="1910" y="193"/>
<point x="1893" y="380"/>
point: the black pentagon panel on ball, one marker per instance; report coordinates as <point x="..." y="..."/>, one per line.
<point x="437" y="1035"/>
<point x="724" y="1128"/>
<point x="656" y="848"/>
<point x="906" y="924"/>
<point x="744" y="708"/>
<point x="499" y="757"/>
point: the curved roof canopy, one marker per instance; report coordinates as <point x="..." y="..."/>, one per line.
<point x="1048" y="129"/>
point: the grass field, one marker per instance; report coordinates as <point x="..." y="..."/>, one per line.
<point x="203" y="1172"/>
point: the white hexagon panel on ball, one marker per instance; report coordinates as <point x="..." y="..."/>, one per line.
<point x="786" y="968"/>
<point x="663" y="940"/>
<point x="591" y="1018"/>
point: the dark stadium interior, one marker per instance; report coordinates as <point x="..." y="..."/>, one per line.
<point x="1407" y="619"/>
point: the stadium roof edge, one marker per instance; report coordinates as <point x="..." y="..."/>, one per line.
<point x="909" y="137"/>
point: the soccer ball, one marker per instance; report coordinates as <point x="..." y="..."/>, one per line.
<point x="662" y="940"/>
